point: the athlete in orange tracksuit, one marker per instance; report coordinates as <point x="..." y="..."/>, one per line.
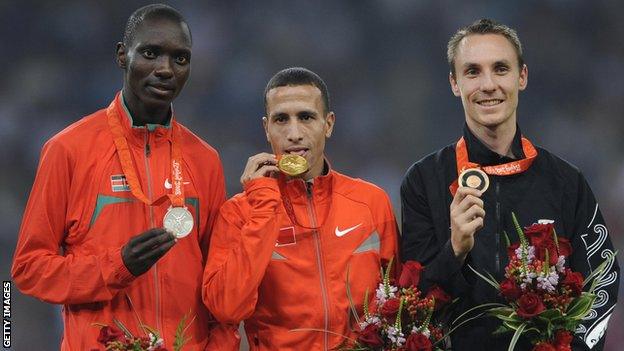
<point x="81" y="213"/>
<point x="282" y="250"/>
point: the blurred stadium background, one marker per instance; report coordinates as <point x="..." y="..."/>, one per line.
<point x="383" y="60"/>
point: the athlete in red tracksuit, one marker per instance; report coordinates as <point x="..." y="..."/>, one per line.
<point x="281" y="252"/>
<point x="75" y="245"/>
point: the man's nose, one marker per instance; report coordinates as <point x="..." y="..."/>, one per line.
<point x="488" y="82"/>
<point x="164" y="67"/>
<point x="294" y="132"/>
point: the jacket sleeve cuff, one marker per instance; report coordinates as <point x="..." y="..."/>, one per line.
<point x="447" y="271"/>
<point x="260" y="183"/>
<point x="263" y="194"/>
<point x="120" y="275"/>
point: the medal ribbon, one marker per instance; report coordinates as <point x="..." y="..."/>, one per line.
<point x="505" y="169"/>
<point x="127" y="165"/>
<point x="289" y="208"/>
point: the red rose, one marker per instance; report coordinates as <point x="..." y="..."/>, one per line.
<point x="418" y="342"/>
<point x="510" y="290"/>
<point x="537" y="233"/>
<point x="574" y="281"/>
<point x="110" y="334"/>
<point x="550" y="247"/>
<point x="530" y="305"/>
<point x="370" y="336"/>
<point x="390" y="309"/>
<point x="544" y="346"/>
<point x="440" y="297"/>
<point x="565" y="249"/>
<point x="511" y="250"/>
<point x="410" y="274"/>
<point x="563" y="340"/>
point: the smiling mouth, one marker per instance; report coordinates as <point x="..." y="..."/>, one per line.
<point x="490" y="102"/>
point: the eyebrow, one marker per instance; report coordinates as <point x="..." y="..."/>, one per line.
<point x="307" y="112"/>
<point x="299" y="113"/>
<point x="468" y="65"/>
<point x="279" y="114"/>
<point x="159" y="47"/>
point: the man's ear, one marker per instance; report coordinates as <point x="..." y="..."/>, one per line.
<point x="454" y="86"/>
<point x="265" y="124"/>
<point x="330" y="120"/>
<point x="524" y="78"/>
<point x="121" y="55"/>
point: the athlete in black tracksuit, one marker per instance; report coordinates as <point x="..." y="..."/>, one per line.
<point x="551" y="189"/>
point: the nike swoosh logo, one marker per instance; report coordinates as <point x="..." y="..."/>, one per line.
<point x="168" y="184"/>
<point x="340" y="233"/>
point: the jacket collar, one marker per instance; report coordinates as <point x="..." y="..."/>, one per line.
<point x="319" y="187"/>
<point x="137" y="134"/>
<point x="481" y="154"/>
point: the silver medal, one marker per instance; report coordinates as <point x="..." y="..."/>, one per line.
<point x="178" y="220"/>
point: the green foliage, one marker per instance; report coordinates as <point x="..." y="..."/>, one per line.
<point x="180" y="338"/>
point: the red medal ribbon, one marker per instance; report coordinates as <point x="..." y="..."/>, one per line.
<point x="127" y="164"/>
<point x="505" y="169"/>
<point x="289" y="207"/>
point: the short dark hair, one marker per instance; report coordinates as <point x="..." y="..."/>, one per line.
<point x="294" y="76"/>
<point x="483" y="26"/>
<point x="153" y="11"/>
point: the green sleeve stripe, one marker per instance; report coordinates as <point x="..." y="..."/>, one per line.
<point x="105" y="200"/>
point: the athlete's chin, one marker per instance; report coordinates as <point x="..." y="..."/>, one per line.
<point x="492" y="121"/>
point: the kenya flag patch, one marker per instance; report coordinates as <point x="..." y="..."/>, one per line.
<point x="119" y="183"/>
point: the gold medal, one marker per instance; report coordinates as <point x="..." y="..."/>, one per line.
<point x="474" y="178"/>
<point x="293" y="165"/>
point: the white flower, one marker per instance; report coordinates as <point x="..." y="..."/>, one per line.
<point x="370" y="320"/>
<point x="527" y="278"/>
<point x="381" y="295"/>
<point x="155" y="342"/>
<point x="560" y="264"/>
<point x="396" y="336"/>
<point x="528" y="253"/>
<point x="548" y="281"/>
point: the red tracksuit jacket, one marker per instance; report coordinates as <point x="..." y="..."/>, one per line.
<point x="80" y="213"/>
<point x="277" y="273"/>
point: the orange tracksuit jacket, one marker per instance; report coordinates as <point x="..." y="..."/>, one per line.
<point x="278" y="276"/>
<point x="81" y="212"/>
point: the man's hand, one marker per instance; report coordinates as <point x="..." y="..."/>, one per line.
<point x="260" y="165"/>
<point x="143" y="250"/>
<point x="466" y="218"/>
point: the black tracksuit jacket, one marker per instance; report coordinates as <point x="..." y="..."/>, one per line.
<point x="550" y="189"/>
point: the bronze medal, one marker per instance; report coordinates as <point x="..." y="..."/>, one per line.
<point x="293" y="165"/>
<point x="474" y="178"/>
<point x="178" y="220"/>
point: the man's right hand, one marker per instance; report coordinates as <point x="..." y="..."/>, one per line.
<point x="260" y="165"/>
<point x="143" y="250"/>
<point x="466" y="218"/>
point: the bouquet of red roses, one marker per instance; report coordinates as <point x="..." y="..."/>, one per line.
<point x="119" y="338"/>
<point x="546" y="301"/>
<point x="401" y="317"/>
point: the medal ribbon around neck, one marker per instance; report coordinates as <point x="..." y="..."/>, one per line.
<point x="289" y="207"/>
<point x="505" y="169"/>
<point x="127" y="165"/>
